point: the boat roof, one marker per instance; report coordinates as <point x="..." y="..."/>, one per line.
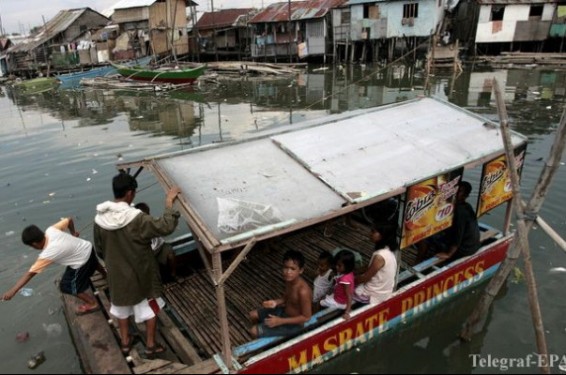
<point x="279" y="182"/>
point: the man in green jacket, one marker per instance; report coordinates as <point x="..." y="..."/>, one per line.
<point x="122" y="237"/>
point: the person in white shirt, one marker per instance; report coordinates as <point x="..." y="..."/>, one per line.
<point x="377" y="283"/>
<point x="66" y="249"/>
<point x="322" y="284"/>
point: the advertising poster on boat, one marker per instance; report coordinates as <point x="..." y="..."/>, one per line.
<point x="430" y="207"/>
<point x="496" y="183"/>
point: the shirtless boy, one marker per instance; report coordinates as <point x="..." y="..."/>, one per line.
<point x="285" y="316"/>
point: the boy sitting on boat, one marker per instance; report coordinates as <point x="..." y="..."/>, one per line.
<point x="285" y="316"/>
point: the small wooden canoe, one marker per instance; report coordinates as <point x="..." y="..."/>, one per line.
<point x="169" y="75"/>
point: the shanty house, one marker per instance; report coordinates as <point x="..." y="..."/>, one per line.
<point x="225" y="32"/>
<point x="151" y="27"/>
<point x="56" y="44"/>
<point x="291" y="29"/>
<point x="508" y="25"/>
<point x="384" y="23"/>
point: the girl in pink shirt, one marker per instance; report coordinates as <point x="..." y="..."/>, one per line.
<point x="341" y="298"/>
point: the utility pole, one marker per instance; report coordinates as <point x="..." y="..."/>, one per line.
<point x="289" y="30"/>
<point x="1" y="27"/>
<point x="213" y="29"/>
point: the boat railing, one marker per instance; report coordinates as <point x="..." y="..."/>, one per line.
<point x="316" y="320"/>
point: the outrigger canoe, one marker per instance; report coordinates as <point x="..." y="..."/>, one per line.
<point x="307" y="187"/>
<point x="173" y="75"/>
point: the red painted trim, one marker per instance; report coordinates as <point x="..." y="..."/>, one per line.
<point x="313" y="347"/>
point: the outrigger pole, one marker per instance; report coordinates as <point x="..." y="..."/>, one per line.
<point x="526" y="218"/>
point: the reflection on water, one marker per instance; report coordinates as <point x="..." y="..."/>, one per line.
<point x="58" y="152"/>
<point x="182" y="113"/>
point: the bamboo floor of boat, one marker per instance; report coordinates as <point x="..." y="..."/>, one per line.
<point x="256" y="279"/>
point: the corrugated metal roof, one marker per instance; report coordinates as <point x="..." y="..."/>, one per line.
<point x="58" y="24"/>
<point x="126" y="4"/>
<point x="300" y="10"/>
<point x="515" y="2"/>
<point x="311" y="171"/>
<point x="222" y="18"/>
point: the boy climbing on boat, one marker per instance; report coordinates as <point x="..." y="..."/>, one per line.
<point x="285" y="316"/>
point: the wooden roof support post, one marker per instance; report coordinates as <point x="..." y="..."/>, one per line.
<point x="222" y="311"/>
<point x="237" y="261"/>
<point x="524" y="225"/>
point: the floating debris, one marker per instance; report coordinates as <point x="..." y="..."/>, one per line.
<point x="517" y="275"/>
<point x="22" y="336"/>
<point x="26" y="292"/>
<point x="53" y="330"/>
<point x="36" y="360"/>
<point x="557" y="270"/>
<point x="94" y="171"/>
<point x="422" y="343"/>
<point x="88" y="179"/>
<point x="10" y="233"/>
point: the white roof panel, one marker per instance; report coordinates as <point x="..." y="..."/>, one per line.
<point x="308" y="173"/>
<point x="379" y="151"/>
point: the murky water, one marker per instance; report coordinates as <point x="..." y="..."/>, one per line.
<point x="58" y="152"/>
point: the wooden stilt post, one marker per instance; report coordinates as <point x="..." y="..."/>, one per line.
<point x="525" y="223"/>
<point x="222" y="311"/>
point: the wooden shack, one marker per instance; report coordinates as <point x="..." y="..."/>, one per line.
<point x="225" y="32"/>
<point x="56" y="44"/>
<point x="151" y="27"/>
<point x="292" y="30"/>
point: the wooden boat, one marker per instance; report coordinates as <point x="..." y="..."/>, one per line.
<point x="36" y="85"/>
<point x="165" y="74"/>
<point x="72" y="80"/>
<point x="315" y="184"/>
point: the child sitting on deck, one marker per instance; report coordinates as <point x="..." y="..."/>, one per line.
<point x="344" y="287"/>
<point x="323" y="282"/>
<point x="285" y="316"/>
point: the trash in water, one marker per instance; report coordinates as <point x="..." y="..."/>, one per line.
<point x="423" y="343"/>
<point x="10" y="233"/>
<point x="88" y="179"/>
<point x="36" y="360"/>
<point x="517" y="276"/>
<point x="22" y="336"/>
<point x="94" y="171"/>
<point x="53" y="329"/>
<point x="52" y="194"/>
<point x="26" y="292"/>
<point x="557" y="270"/>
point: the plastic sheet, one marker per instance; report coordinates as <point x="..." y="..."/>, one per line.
<point x="237" y="216"/>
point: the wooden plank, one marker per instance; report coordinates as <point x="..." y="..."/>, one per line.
<point x="150" y="365"/>
<point x="182" y="347"/>
<point x="205" y="367"/>
<point x="94" y="340"/>
<point x="170" y="368"/>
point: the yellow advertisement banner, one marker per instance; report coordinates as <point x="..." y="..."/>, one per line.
<point x="429" y="207"/>
<point x="496" y="183"/>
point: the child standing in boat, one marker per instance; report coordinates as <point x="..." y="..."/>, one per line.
<point x="344" y="286"/>
<point x="163" y="251"/>
<point x="285" y="316"/>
